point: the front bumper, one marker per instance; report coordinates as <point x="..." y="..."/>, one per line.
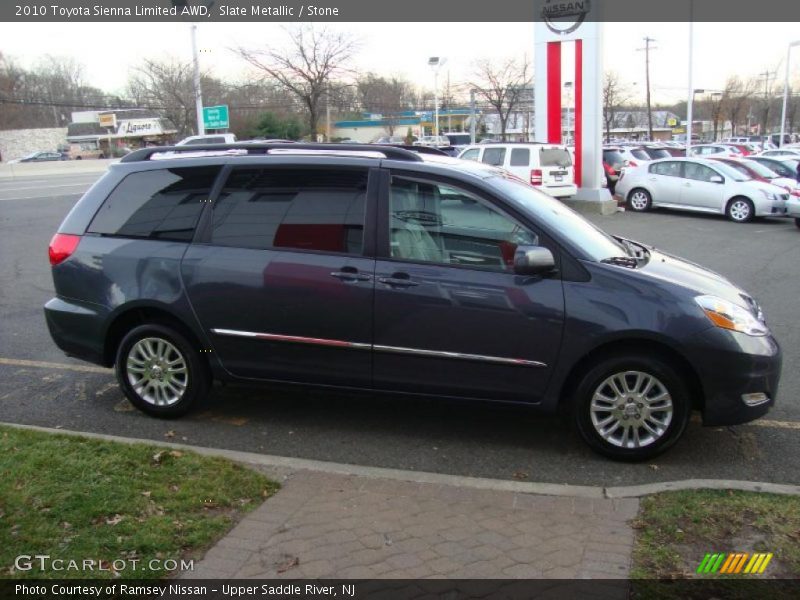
<point x="729" y="365"/>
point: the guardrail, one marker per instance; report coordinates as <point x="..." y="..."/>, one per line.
<point x="65" y="167"/>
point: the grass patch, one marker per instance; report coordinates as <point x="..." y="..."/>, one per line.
<point x="75" y="498"/>
<point x="676" y="529"/>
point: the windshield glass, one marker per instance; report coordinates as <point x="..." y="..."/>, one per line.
<point x="729" y="171"/>
<point x="614" y="158"/>
<point x="596" y="243"/>
<point x="640" y="154"/>
<point x="761" y="170"/>
<point x="792" y="163"/>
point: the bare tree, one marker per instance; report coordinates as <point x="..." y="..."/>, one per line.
<point x="501" y="84"/>
<point x="615" y="95"/>
<point x="716" y="104"/>
<point x="737" y="95"/>
<point x="306" y="66"/>
<point x="168" y="86"/>
<point x="386" y="96"/>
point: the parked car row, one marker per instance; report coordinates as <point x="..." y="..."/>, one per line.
<point x="739" y="189"/>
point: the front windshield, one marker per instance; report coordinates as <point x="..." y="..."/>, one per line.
<point x="595" y="242"/>
<point x="729" y="171"/>
<point x="761" y="170"/>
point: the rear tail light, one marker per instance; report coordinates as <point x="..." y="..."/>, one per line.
<point x="536" y="177"/>
<point x="61" y="247"/>
<point x="795" y="192"/>
<point x="631" y="163"/>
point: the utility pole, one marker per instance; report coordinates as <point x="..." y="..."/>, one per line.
<point x="767" y="75"/>
<point x="647" y="41"/>
<point x="473" y="114"/>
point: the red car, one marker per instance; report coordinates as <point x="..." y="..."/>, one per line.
<point x="744" y="148"/>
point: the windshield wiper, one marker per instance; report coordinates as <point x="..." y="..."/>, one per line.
<point x="621" y="261"/>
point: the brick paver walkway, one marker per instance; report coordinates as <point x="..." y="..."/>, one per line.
<point x="338" y="526"/>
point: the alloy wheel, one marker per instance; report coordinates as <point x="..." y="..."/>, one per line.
<point x="157" y="371"/>
<point x="740" y="210"/>
<point x="631" y="409"/>
<point x="639" y="200"/>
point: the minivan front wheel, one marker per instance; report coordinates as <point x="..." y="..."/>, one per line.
<point x="640" y="200"/>
<point x="160" y="371"/>
<point x="632" y="407"/>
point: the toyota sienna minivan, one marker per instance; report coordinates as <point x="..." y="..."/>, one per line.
<point x="381" y="269"/>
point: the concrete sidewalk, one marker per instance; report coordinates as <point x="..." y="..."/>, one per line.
<point x="323" y="525"/>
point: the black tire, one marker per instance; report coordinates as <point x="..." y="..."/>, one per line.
<point x="666" y="376"/>
<point x="640" y="200"/>
<point x="797" y="222"/>
<point x="195" y="386"/>
<point x="740" y="210"/>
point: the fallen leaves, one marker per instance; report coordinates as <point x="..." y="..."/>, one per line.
<point x="519" y="475"/>
<point x="289" y="563"/>
<point x="115" y="520"/>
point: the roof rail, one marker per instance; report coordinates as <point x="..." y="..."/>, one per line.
<point x="392" y="152"/>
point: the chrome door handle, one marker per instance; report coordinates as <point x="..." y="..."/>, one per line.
<point x="397" y="282"/>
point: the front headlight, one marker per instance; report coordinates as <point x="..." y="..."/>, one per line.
<point x="728" y="315"/>
<point x="769" y="195"/>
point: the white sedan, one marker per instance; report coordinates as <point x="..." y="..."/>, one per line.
<point x="700" y="185"/>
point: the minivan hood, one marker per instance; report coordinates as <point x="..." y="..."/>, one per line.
<point x="689" y="275"/>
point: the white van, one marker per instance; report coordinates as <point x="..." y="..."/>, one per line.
<point x="546" y="166"/>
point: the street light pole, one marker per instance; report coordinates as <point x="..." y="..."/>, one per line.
<point x="786" y="90"/>
<point x="690" y="99"/>
<point x="198" y="96"/>
<point x="436" y="62"/>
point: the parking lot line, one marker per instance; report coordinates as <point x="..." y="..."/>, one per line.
<point x="19" y="362"/>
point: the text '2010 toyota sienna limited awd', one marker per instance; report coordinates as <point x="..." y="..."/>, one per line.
<point x="382" y="269"/>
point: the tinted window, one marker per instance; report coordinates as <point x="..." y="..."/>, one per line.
<point x="161" y="204"/>
<point x="656" y="153"/>
<point x="520" y="157"/>
<point x="698" y="172"/>
<point x="471" y="154"/>
<point x="614" y="158"/>
<point x="307" y="209"/>
<point x="555" y="157"/>
<point x="494" y="156"/>
<point x="433" y="222"/>
<point x="670" y="168"/>
<point x="640" y="154"/>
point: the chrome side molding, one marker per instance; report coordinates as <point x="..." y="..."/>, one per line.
<point x="295" y="339"/>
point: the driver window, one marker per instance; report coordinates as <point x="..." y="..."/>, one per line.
<point x="438" y="223"/>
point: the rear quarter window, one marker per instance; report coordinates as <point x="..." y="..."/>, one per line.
<point x="162" y="204"/>
<point x="494" y="156"/>
<point x="520" y="157"/>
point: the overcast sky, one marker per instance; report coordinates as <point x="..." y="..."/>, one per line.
<point x="109" y="50"/>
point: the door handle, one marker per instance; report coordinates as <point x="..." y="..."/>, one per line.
<point x="350" y="274"/>
<point x="398" y="280"/>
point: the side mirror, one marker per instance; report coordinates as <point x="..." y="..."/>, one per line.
<point x="717" y="179"/>
<point x="533" y="260"/>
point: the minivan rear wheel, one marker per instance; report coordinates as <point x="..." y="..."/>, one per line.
<point x="631" y="407"/>
<point x="160" y="371"/>
<point x="640" y="200"/>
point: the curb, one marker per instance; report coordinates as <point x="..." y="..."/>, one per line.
<point x="522" y="487"/>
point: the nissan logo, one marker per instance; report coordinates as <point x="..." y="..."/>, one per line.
<point x="563" y="18"/>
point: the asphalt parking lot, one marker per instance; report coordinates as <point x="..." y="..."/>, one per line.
<point x="40" y="386"/>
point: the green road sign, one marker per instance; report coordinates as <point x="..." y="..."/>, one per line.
<point x="216" y="117"/>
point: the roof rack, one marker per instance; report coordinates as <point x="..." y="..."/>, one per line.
<point x="392" y="152"/>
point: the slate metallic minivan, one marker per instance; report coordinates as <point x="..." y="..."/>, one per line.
<point x="377" y="268"/>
